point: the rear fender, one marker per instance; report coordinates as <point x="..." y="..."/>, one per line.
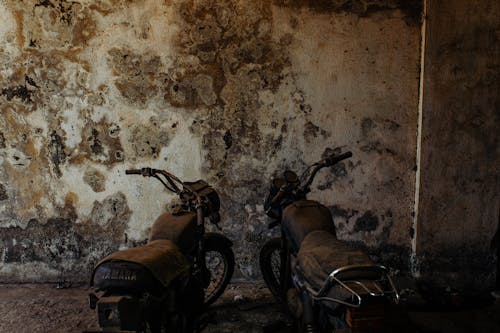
<point x="212" y="238"/>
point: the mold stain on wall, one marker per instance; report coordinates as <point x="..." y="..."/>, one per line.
<point x="229" y="91"/>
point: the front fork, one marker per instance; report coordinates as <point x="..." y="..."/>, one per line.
<point x="201" y="265"/>
<point x="285" y="269"/>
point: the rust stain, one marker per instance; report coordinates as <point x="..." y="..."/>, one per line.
<point x="104" y="12"/>
<point x="19" y="16"/>
<point x="411" y="8"/>
<point x="26" y="194"/>
<point x="98" y="146"/>
<point x="83" y="31"/>
<point x="136" y="90"/>
<point x="79" y="158"/>
<point x="30" y="148"/>
<point x="70" y="199"/>
<point x="72" y="55"/>
<point x="12" y="125"/>
<point x="18" y="74"/>
<point x="53" y="56"/>
<point x="53" y="17"/>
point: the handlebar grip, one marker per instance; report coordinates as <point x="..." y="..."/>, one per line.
<point x="146" y="172"/>
<point x="278" y="197"/>
<point x="331" y="160"/>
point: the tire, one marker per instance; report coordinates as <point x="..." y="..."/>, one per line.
<point x="220" y="262"/>
<point x="270" y="267"/>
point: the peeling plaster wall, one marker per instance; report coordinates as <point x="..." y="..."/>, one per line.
<point x="460" y="180"/>
<point x="229" y="91"/>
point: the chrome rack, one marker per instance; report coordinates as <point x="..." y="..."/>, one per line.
<point x="371" y="285"/>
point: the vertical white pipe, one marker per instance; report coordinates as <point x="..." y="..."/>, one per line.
<point x="414" y="263"/>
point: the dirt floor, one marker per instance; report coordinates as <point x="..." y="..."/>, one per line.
<point x="46" y="308"/>
<point x="243" y="308"/>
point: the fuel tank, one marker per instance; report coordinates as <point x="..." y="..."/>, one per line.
<point x="178" y="226"/>
<point x="304" y="216"/>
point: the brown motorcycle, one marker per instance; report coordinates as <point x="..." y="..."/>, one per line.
<point x="166" y="284"/>
<point x="326" y="283"/>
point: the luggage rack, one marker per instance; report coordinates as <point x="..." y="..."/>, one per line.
<point x="371" y="284"/>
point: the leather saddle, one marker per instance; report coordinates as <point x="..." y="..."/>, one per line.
<point x="310" y="230"/>
<point x="155" y="264"/>
<point x="322" y="253"/>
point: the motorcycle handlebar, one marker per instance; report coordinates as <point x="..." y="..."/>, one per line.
<point x="170" y="179"/>
<point x="146" y="172"/>
<point x="333" y="159"/>
<point x="329" y="161"/>
<point x="133" y="172"/>
<point x="278" y="197"/>
<point x="304" y="187"/>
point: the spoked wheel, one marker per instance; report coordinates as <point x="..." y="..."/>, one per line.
<point x="220" y="262"/>
<point x="270" y="266"/>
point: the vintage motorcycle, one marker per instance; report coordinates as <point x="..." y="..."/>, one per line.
<point x="166" y="284"/>
<point x="326" y="283"/>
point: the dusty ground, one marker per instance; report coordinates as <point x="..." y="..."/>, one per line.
<point x="243" y="308"/>
<point x="44" y="308"/>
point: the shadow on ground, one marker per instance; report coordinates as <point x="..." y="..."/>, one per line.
<point x="243" y="308"/>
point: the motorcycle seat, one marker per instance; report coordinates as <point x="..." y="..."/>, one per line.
<point x="162" y="260"/>
<point x="304" y="216"/>
<point x="321" y="253"/>
<point x="178" y="227"/>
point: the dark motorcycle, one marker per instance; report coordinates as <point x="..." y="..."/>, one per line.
<point x="166" y="284"/>
<point x="326" y="283"/>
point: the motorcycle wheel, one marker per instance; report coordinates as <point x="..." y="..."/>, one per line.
<point x="220" y="262"/>
<point x="270" y="267"/>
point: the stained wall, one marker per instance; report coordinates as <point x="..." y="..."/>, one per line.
<point x="228" y="91"/>
<point x="460" y="156"/>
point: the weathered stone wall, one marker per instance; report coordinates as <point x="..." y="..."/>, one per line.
<point x="460" y="198"/>
<point x="228" y="91"/>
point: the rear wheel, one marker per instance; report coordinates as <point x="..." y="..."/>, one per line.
<point x="270" y="267"/>
<point x="219" y="258"/>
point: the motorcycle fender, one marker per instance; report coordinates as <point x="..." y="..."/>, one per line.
<point x="212" y="238"/>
